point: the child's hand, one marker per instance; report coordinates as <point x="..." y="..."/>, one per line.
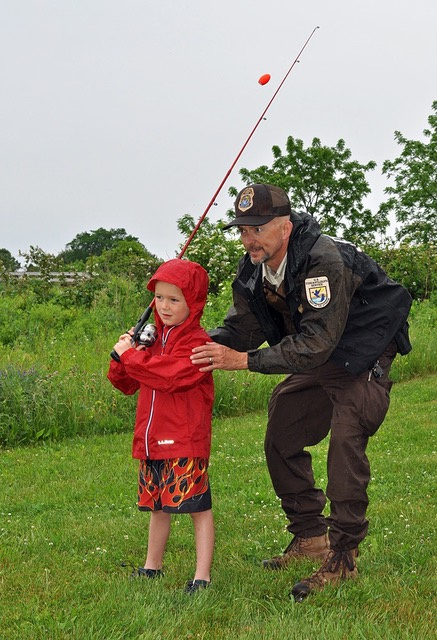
<point x="124" y="343"/>
<point x="129" y="333"/>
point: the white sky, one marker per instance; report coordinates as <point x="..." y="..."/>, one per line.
<point x="128" y="113"/>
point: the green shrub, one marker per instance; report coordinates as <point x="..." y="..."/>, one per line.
<point x="414" y="266"/>
<point x="54" y="359"/>
<point x="40" y="405"/>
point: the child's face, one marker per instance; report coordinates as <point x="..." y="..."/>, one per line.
<point x="170" y="304"/>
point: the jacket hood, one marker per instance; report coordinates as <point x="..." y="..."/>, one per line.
<point x="192" y="280"/>
<point x="305" y="232"/>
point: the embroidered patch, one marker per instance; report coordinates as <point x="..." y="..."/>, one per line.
<point x="317" y="291"/>
<point x="246" y="199"/>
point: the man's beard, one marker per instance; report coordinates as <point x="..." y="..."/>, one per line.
<point x="262" y="260"/>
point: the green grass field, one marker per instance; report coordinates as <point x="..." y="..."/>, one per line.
<point x="68" y="522"/>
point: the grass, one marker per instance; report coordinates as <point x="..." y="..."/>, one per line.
<point x="68" y="521"/>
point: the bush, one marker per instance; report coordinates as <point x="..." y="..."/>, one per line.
<point x="54" y="359"/>
<point x="38" y="404"/>
<point x="413" y="266"/>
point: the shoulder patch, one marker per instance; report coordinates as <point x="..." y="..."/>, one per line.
<point x="318" y="292"/>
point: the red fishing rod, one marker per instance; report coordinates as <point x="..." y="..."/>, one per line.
<point x="141" y="327"/>
<point x="219" y="188"/>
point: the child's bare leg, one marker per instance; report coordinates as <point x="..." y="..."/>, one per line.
<point x="159" y="530"/>
<point x="204" y="534"/>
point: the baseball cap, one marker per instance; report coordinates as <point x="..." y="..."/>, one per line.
<point x="257" y="204"/>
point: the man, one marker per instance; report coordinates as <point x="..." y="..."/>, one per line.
<point x="334" y="321"/>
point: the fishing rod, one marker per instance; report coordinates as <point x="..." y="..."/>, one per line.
<point x="144" y="329"/>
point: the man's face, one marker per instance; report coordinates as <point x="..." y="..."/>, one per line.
<point x="267" y="243"/>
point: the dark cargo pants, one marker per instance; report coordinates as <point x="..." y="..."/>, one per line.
<point x="302" y="410"/>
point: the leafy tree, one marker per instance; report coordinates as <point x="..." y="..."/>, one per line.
<point x="128" y="258"/>
<point x="7" y="261"/>
<point x="45" y="264"/>
<point x="38" y="260"/>
<point x="326" y="183"/>
<point x="413" y="197"/>
<point x="211" y="248"/>
<point x="93" y="243"/>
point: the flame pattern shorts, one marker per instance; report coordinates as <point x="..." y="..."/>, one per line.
<point x="179" y="485"/>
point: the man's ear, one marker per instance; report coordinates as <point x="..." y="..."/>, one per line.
<point x="287" y="229"/>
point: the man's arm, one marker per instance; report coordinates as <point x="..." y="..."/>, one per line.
<point x="240" y="330"/>
<point x="230" y="343"/>
<point x="320" y="330"/>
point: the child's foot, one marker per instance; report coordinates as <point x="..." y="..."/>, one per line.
<point x="193" y="586"/>
<point x="141" y="572"/>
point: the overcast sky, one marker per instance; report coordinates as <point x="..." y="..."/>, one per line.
<point x="128" y="113"/>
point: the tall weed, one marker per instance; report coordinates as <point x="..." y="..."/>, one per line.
<point x="54" y="359"/>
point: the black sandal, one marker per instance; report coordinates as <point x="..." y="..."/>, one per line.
<point x="195" y="585"/>
<point x="141" y="572"/>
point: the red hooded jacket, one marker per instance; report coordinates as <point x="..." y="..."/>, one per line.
<point x="174" y="410"/>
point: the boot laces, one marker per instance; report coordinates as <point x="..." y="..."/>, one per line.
<point x="337" y="561"/>
<point x="341" y="559"/>
<point x="294" y="544"/>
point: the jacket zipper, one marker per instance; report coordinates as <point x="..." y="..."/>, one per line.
<point x="152" y="404"/>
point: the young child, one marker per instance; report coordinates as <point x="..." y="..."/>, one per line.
<point x="172" y="437"/>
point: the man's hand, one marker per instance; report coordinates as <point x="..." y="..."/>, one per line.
<point x="212" y="356"/>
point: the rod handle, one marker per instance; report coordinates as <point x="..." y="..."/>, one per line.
<point x="115" y="356"/>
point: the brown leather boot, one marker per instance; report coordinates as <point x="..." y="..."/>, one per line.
<point x="338" y="566"/>
<point x="315" y="547"/>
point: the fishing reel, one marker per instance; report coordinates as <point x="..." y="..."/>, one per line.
<point x="146" y="336"/>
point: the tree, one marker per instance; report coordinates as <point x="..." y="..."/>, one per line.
<point x="413" y="197"/>
<point x="7" y="261"/>
<point x="44" y="263"/>
<point x="93" y="243"/>
<point x="326" y="183"/>
<point x="211" y="248"/>
<point x="128" y="259"/>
